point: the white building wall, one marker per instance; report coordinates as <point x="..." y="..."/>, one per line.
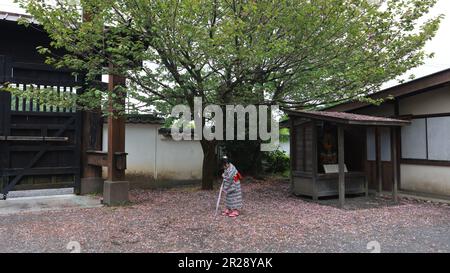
<point x="178" y="160"/>
<point x="425" y="178"/>
<point x="428" y="179"/>
<point x="431" y="102"/>
<point x="154" y="160"/>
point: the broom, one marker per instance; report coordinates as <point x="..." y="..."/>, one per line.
<point x="218" y="200"/>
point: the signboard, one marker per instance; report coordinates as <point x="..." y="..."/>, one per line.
<point x="333" y="168"/>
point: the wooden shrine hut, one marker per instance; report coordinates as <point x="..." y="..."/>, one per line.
<point x="329" y="152"/>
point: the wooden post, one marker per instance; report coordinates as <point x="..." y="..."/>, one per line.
<point x="116" y="129"/>
<point x="366" y="186"/>
<point x="378" y="158"/>
<point x="91" y="140"/>
<point x="315" y="195"/>
<point x="5" y="113"/>
<point x="366" y="178"/>
<point x="5" y="130"/>
<point x="394" y="163"/>
<point x="5" y="110"/>
<point x="292" y="150"/>
<point x="115" y="189"/>
<point x="341" y="160"/>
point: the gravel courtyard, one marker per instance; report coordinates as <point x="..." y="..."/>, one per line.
<point x="181" y="220"/>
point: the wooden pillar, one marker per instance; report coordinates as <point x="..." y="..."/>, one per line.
<point x="5" y="130"/>
<point x="116" y="128"/>
<point x="366" y="167"/>
<point x="341" y="160"/>
<point x="366" y="186"/>
<point x="378" y="160"/>
<point x="315" y="194"/>
<point x="91" y="140"/>
<point x="394" y="163"/>
<point x="292" y="150"/>
<point x="5" y="110"/>
<point x="115" y="188"/>
<point x="78" y="143"/>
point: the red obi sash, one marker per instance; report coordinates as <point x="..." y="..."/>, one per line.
<point x="237" y="177"/>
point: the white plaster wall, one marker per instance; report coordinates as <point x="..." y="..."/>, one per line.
<point x="428" y="179"/>
<point x="431" y="102"/>
<point x="139" y="144"/>
<point x="152" y="157"/>
<point x="178" y="160"/>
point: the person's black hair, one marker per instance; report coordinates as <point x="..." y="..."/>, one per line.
<point x="224" y="160"/>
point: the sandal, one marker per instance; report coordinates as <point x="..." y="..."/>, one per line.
<point x="234" y="213"/>
<point x="226" y="212"/>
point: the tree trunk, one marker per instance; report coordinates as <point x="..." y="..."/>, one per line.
<point x="256" y="156"/>
<point x="209" y="168"/>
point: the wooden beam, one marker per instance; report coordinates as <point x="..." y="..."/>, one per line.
<point x="34" y="148"/>
<point x="40" y="171"/>
<point x="21" y="126"/>
<point x="97" y="158"/>
<point x="35" y="138"/>
<point x="38" y="114"/>
<point x="341" y="160"/>
<point x="395" y="165"/>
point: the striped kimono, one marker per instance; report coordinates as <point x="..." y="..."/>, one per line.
<point x="232" y="188"/>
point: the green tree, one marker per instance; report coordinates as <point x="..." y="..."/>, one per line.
<point x="297" y="54"/>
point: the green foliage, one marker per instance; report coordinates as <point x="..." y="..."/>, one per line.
<point x="275" y="162"/>
<point x="48" y="95"/>
<point x="284" y="135"/>
<point x="292" y="53"/>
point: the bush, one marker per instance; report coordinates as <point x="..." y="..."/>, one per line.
<point x="275" y="162"/>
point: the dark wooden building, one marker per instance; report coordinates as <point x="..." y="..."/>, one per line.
<point x="45" y="146"/>
<point x="39" y="144"/>
<point x="329" y="151"/>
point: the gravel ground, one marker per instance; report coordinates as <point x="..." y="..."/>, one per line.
<point x="181" y="220"/>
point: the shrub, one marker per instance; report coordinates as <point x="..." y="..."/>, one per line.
<point x="275" y="162"/>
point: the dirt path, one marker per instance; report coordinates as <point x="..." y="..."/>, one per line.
<point x="181" y="220"/>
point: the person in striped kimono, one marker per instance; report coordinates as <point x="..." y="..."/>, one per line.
<point x="232" y="189"/>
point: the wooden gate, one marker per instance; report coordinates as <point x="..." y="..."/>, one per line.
<point x="39" y="144"/>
